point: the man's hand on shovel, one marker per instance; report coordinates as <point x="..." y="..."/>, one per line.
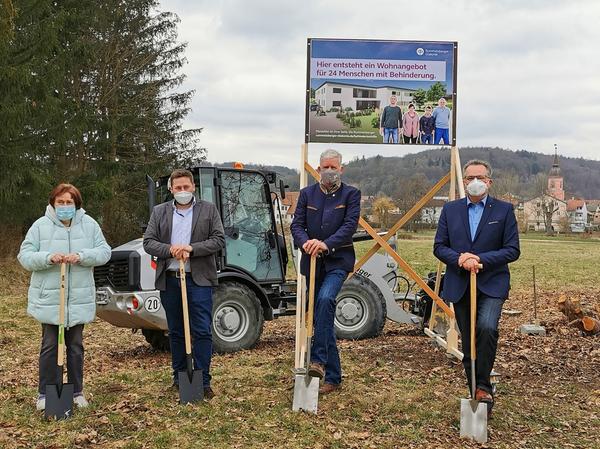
<point x="181" y="252"/>
<point x="314" y="247"/>
<point x="472" y="264"/>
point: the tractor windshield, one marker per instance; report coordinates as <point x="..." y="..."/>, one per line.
<point x="249" y="223"/>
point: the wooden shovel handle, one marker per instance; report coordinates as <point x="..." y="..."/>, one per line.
<point x="184" y="304"/>
<point x="474" y="311"/>
<point x="61" y="316"/>
<point x="311" y="297"/>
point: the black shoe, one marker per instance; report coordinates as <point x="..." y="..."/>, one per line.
<point x="208" y="394"/>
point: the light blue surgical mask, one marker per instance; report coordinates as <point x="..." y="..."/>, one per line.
<point x="65" y="213"/>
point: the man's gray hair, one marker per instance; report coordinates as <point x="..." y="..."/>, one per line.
<point x="331" y="154"/>
<point x="479" y="162"/>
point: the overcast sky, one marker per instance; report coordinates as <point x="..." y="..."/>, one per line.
<point x="528" y="70"/>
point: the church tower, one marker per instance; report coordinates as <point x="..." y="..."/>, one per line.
<point x="555" y="179"/>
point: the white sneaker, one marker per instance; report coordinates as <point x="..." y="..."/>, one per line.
<point x="40" y="404"/>
<point x="80" y="401"/>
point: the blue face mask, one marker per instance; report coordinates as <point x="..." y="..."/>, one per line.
<point x="65" y="212"/>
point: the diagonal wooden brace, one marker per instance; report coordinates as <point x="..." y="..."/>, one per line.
<point x="407" y="268"/>
<point x="403" y="220"/>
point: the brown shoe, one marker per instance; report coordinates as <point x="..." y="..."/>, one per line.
<point x="329" y="388"/>
<point x="316" y="370"/>
<point x="483" y="396"/>
<point x="208" y="394"/>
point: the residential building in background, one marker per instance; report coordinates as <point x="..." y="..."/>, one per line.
<point x="339" y="95"/>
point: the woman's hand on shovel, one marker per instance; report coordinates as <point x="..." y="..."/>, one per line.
<point x="72" y="259"/>
<point x="57" y="258"/>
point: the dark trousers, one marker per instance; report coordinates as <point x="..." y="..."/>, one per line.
<point x="409" y="139"/>
<point x="324" y="345"/>
<point x="200" y="311"/>
<point x="48" y="357"/>
<point x="486" y="336"/>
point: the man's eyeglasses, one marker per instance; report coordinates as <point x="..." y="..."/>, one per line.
<point x="481" y="178"/>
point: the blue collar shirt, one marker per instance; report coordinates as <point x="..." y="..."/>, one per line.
<point x="181" y="232"/>
<point x="475" y="212"/>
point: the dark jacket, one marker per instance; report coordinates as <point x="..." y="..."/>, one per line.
<point x="427" y="124"/>
<point x="331" y="218"/>
<point x="391" y="117"/>
<point x="496" y="243"/>
<point x="207" y="240"/>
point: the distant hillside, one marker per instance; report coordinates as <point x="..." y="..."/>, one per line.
<point x="521" y="173"/>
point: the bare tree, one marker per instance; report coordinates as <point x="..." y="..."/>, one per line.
<point x="381" y="208"/>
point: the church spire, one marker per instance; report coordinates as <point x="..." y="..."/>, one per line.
<point x="555" y="170"/>
<point x="555" y="179"/>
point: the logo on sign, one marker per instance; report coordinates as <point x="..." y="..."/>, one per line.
<point x="420" y="51"/>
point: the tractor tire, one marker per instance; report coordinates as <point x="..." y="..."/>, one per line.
<point x="237" y="318"/>
<point x="158" y="339"/>
<point x="360" y="309"/>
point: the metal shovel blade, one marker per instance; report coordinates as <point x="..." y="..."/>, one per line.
<point x="473" y="420"/>
<point x="59" y="401"/>
<point x="306" y="393"/>
<point x="190" y="387"/>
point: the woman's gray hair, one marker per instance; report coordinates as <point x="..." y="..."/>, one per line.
<point x="331" y="154"/>
<point x="479" y="162"/>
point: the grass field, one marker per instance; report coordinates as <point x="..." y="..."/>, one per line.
<point x="399" y="390"/>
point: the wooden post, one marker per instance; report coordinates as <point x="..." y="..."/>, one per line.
<point x="450" y="344"/>
<point x="452" y="332"/>
<point x="300" y="349"/>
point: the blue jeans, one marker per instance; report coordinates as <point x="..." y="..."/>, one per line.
<point x="200" y="311"/>
<point x="324" y="348"/>
<point x="426" y="138"/>
<point x="387" y="132"/>
<point x="442" y="134"/>
<point x="486" y="336"/>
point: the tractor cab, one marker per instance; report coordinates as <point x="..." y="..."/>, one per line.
<point x="248" y="207"/>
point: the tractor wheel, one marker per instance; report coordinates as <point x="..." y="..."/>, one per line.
<point x="237" y="317"/>
<point x="360" y="310"/>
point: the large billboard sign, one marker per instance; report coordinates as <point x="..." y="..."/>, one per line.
<point x="374" y="91"/>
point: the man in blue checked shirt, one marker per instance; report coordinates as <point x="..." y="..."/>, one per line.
<point x="478" y="229"/>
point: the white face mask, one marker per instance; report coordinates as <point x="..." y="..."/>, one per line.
<point x="476" y="187"/>
<point x="183" y="197"/>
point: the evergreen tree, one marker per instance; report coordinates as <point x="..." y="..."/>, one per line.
<point x="90" y="94"/>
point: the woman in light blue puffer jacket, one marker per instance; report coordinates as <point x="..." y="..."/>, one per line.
<point x="65" y="234"/>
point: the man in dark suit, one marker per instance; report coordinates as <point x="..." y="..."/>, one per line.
<point x="187" y="229"/>
<point x="478" y="230"/>
<point x="325" y="220"/>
